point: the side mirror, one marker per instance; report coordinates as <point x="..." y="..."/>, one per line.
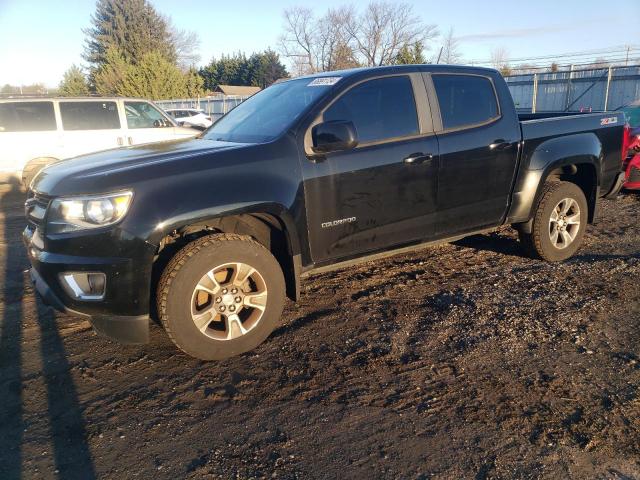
<point x="334" y="136"/>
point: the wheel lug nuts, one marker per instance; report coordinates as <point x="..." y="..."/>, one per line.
<point x="234" y="290"/>
<point x="218" y="299"/>
<point x="238" y="299"/>
<point x="232" y="308"/>
<point x="224" y="290"/>
<point x="222" y="308"/>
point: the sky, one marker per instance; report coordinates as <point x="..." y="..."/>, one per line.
<point x="40" y="39"/>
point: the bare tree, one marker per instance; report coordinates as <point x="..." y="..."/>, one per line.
<point x="499" y="58"/>
<point x="383" y="29"/>
<point x="450" y="49"/>
<point x="344" y="38"/>
<point x="599" y="63"/>
<point x="186" y="44"/>
<point x="300" y="39"/>
<point x="336" y="44"/>
<point x="524" y="68"/>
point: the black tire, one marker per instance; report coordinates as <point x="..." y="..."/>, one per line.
<point x="538" y="243"/>
<point x="33" y="167"/>
<point x="188" y="266"/>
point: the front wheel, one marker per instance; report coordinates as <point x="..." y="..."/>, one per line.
<point x="559" y="223"/>
<point x="220" y="296"/>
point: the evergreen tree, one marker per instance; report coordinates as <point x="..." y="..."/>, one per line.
<point x="411" y="54"/>
<point x="153" y="77"/>
<point x="193" y="83"/>
<point x="260" y="70"/>
<point x="133" y="27"/>
<point x="112" y="73"/>
<point x="73" y="83"/>
<point x="265" y="69"/>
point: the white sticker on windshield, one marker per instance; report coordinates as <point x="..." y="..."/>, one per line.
<point x="324" y="81"/>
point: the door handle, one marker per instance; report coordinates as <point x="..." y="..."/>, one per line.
<point x="500" y="144"/>
<point x="417" y="158"/>
<point x="120" y="141"/>
<point x="130" y="141"/>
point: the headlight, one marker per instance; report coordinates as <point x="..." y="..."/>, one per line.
<point x="81" y="213"/>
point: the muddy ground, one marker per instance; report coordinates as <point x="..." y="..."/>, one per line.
<point x="462" y="361"/>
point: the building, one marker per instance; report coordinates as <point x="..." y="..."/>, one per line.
<point x="241" y="91"/>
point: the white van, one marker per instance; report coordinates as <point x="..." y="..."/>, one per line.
<point x="36" y="132"/>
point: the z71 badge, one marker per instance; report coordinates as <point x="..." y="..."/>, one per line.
<point x="608" y="120"/>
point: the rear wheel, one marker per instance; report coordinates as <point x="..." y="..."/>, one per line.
<point x="221" y="296"/>
<point x="559" y="223"/>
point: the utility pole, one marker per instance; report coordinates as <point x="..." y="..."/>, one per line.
<point x="626" y="62"/>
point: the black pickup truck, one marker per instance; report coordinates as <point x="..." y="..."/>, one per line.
<point x="210" y="234"/>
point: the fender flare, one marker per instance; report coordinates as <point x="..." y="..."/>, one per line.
<point x="292" y="266"/>
<point x="201" y="217"/>
<point x="551" y="156"/>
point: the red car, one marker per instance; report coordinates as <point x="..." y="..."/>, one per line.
<point x="632" y="166"/>
<point x="631" y="146"/>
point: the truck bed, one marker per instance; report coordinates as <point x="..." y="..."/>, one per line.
<point x="604" y="130"/>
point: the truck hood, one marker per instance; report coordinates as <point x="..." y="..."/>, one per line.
<point x="77" y="175"/>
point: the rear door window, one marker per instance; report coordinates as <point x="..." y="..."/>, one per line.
<point x="144" y="115"/>
<point x="89" y="115"/>
<point x="380" y="109"/>
<point x="27" y="117"/>
<point x="465" y="100"/>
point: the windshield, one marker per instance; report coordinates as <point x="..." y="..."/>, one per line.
<point x="268" y="113"/>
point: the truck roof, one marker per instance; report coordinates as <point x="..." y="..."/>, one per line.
<point x="399" y="68"/>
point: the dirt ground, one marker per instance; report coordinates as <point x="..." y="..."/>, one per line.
<point x="461" y="361"/>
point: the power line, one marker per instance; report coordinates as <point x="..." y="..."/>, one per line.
<point x="634" y="62"/>
<point x="618" y="50"/>
<point x="610" y="60"/>
<point x="608" y="51"/>
<point x="614" y="57"/>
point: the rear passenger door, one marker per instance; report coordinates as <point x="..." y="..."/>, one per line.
<point x="478" y="151"/>
<point x="89" y="126"/>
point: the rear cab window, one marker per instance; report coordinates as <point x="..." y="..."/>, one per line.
<point x="27" y="117"/>
<point x="97" y="115"/>
<point x="381" y="109"/>
<point x="465" y="100"/>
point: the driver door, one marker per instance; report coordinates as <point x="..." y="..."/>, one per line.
<point x="383" y="192"/>
<point x="146" y="124"/>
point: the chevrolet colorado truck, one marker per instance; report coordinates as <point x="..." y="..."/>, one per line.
<point x="209" y="235"/>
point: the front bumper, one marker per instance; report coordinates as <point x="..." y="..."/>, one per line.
<point x="123" y="313"/>
<point x="125" y="329"/>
